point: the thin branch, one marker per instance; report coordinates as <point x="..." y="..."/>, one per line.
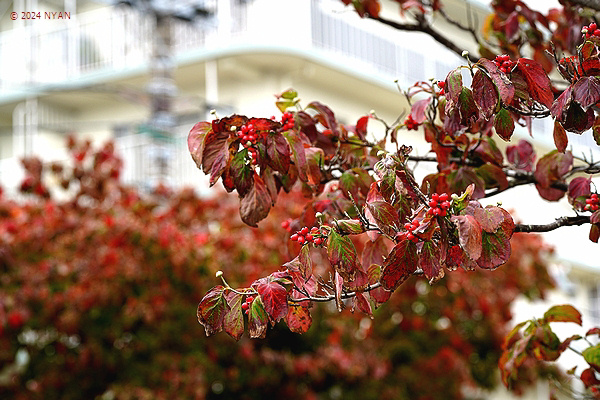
<point x="562" y="221"/>
<point x="593" y="4"/>
<point x="422" y="27"/>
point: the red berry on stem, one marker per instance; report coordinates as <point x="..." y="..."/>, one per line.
<point x="294" y="237"/>
<point x="435" y="197"/>
<point x="443" y="197"/>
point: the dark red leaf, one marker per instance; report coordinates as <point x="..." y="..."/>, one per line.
<point x="511" y="26"/>
<point x="274" y="297"/>
<point x="457" y="257"/>
<point x="361" y="301"/>
<point x="212" y="310"/>
<point x="484" y="93"/>
<point x="234" y="319"/>
<point x="490" y="218"/>
<point x="314" y="161"/>
<point x="469" y="234"/>
<point x="327" y="116"/>
<point x="540" y="88"/>
<point x="505" y="87"/>
<point x="380" y="295"/>
<point x="361" y="127"/>
<point x="374" y="253"/>
<point x="430" y="261"/>
<point x="241" y="173"/>
<point x="196" y="139"/>
<point x="400" y="264"/>
<point x="560" y="137"/>
<point x="255" y="206"/>
<point x="493" y="176"/>
<point x="297" y="145"/>
<point x="469" y="112"/>
<point x="586" y="91"/>
<point x="578" y="120"/>
<point x="521" y="156"/>
<point x="278" y="152"/>
<point x="579" y="186"/>
<point x="595" y="232"/>
<point x="588" y="377"/>
<point x="386" y="216"/>
<point x="504" y="124"/>
<point x="454" y="85"/>
<point x="561" y="104"/>
<point x="549" y="169"/>
<point x="495" y="248"/>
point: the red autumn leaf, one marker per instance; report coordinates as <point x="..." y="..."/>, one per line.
<point x="196" y="139"/>
<point x="495" y="247"/>
<point x="325" y="116"/>
<point x="550" y="169"/>
<point x="512" y="358"/>
<point x="469" y="234"/>
<point x="258" y="320"/>
<point x="342" y="255"/>
<point x="224" y="125"/>
<point x="264" y="124"/>
<point x="361" y="301"/>
<point x="579" y="186"/>
<point x="504" y="124"/>
<point x="505" y="87"/>
<point x="588" y="377"/>
<point x="386" y="216"/>
<point x="469" y="112"/>
<point x="215" y="155"/>
<point x="278" y="152"/>
<point x="298" y="318"/>
<point x="538" y="83"/>
<point x="234" y="319"/>
<point x="430" y="261"/>
<point x="594" y="233"/>
<point x="300" y="269"/>
<point x="593" y="331"/>
<point x="457" y="257"/>
<point x="361" y="127"/>
<point x="560" y="137"/>
<point x="274" y="297"/>
<point x="296" y="143"/>
<point x="484" y="93"/>
<point x="255" y="205"/>
<point x="521" y="155"/>
<point x="490" y="218"/>
<point x="460" y="179"/>
<point x="314" y="161"/>
<point x="399" y="265"/>
<point x="562" y="103"/>
<point x="454" y="85"/>
<point x="374" y="253"/>
<point x="380" y="295"/>
<point x="241" y="173"/>
<point x="417" y="111"/>
<point x="212" y="310"/>
<point x="563" y="313"/>
<point x="586" y="91"/>
<point x="577" y="119"/>
<point x="511" y="26"/>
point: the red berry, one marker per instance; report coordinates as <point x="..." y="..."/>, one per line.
<point x="592" y="26"/>
<point x="436" y="211"/>
<point x="445" y="205"/>
<point x="245" y="306"/>
<point x="318" y="241"/>
<point x="410" y="236"/>
<point x="408" y="226"/>
<point x="443" y="213"/>
<point x="443" y="197"/>
<point x="301" y="239"/>
<point x="304" y="231"/>
<point x="309" y="237"/>
<point x="435" y="197"/>
<point x="594" y="207"/>
<point x="15" y="319"/>
<point x="314" y="230"/>
<point x="433" y="203"/>
<point x="294" y="237"/>
<point x="594" y="196"/>
<point x="285" y="224"/>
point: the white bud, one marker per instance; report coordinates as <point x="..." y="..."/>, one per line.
<point x="318" y="215"/>
<point x="372" y="112"/>
<point x="213" y="112"/>
<point x="454" y="196"/>
<point x="219" y="274"/>
<point x="233" y="128"/>
<point x="465" y="53"/>
<point x="380" y="153"/>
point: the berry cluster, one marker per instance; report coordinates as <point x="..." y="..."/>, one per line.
<point x="410" y="123"/>
<point x="287" y="119"/>
<point x="590" y="30"/>
<point x="249" y="136"/>
<point x="246" y="305"/>
<point x="410" y="227"/>
<point x="504" y="63"/>
<point x="439" y="205"/>
<point x="442" y="86"/>
<point x="305" y="235"/>
<point x="591" y="204"/>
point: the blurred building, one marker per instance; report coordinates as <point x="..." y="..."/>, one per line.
<point x="90" y="68"/>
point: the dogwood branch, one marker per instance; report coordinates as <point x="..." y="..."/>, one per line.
<point x="562" y="221"/>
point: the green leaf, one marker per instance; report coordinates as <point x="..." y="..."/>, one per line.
<point x="255" y="206"/>
<point x="399" y="265"/>
<point x="348" y="183"/>
<point x="350" y="226"/>
<point x="289" y="94"/>
<point x="504" y="124"/>
<point x="469" y="112"/>
<point x="283" y="105"/>
<point x="258" y="319"/>
<point x="493" y="176"/>
<point x="212" y="310"/>
<point x="592" y="356"/>
<point x="563" y="313"/>
<point x="234" y="319"/>
<point x="342" y="255"/>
